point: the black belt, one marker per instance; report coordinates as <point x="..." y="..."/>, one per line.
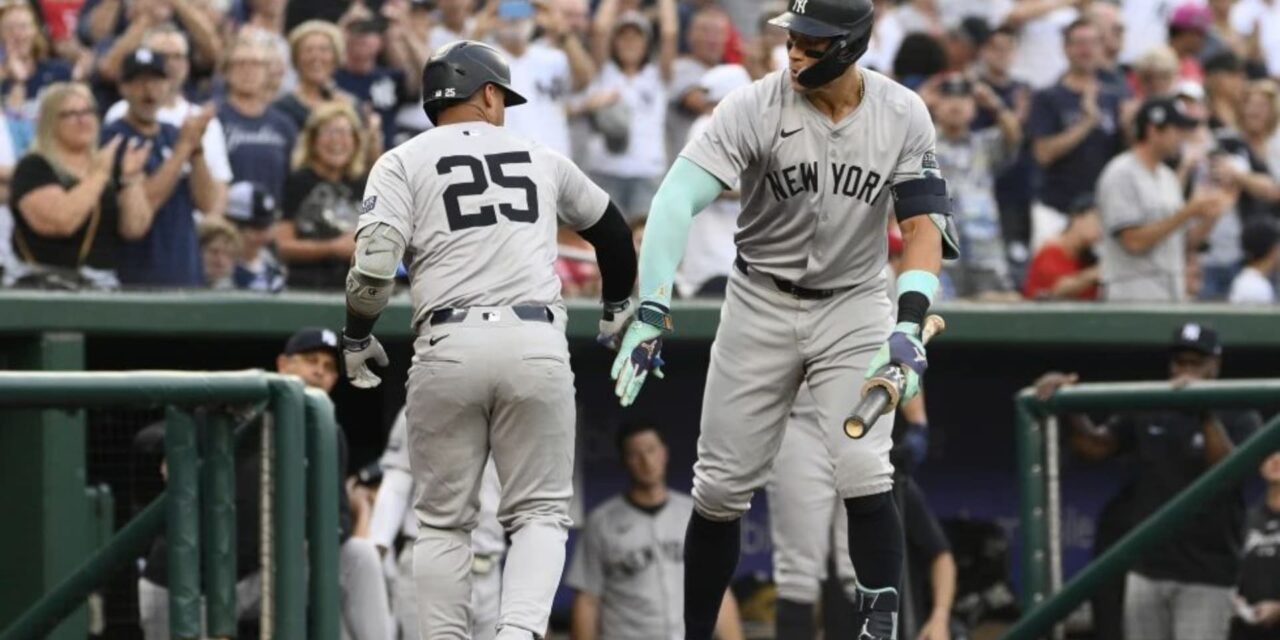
<point x="535" y="313"/>
<point x="791" y="288"/>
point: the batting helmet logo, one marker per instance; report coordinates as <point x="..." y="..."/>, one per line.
<point x="800" y="6"/>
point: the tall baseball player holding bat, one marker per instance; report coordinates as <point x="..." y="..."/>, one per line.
<point x="826" y="151"/>
<point x="475" y="211"/>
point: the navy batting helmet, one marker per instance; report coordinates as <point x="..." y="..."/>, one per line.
<point x="458" y="70"/>
<point x="847" y="23"/>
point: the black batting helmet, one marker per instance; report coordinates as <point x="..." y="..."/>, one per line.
<point x="458" y="70"/>
<point x="847" y="23"/>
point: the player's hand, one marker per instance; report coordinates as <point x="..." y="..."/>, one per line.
<point x="1049" y="383"/>
<point x="639" y="354"/>
<point x="613" y="321"/>
<point x="356" y="355"/>
<point x="1268" y="613"/>
<point x="904" y="349"/>
<point x="937" y="628"/>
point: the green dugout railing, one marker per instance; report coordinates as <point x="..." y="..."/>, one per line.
<point x="197" y="508"/>
<point x="1038" y="472"/>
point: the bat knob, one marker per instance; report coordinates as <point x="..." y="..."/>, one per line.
<point x="855" y="427"/>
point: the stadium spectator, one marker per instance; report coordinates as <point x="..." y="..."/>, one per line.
<point x="316" y="49"/>
<point x="266" y="25"/>
<point x="145" y="16"/>
<point x="171" y="43"/>
<point x="259" y="138"/>
<point x="1155" y="74"/>
<point x="1144" y="217"/>
<point x="706" y="37"/>
<point x="1223" y="37"/>
<point x="1257" y="597"/>
<point x="72" y="207"/>
<point x="1259" y="22"/>
<point x="177" y="183"/>
<point x="1182" y="589"/>
<point x="628" y="562"/>
<point x="546" y="71"/>
<point x="576" y="266"/>
<point x="629" y="160"/>
<point x="768" y="51"/>
<point x="28" y="67"/>
<point x="1188" y="36"/>
<point x="1110" y="22"/>
<point x="1044" y="27"/>
<point x="1262" y="256"/>
<point x="1074" y="128"/>
<point x="254" y="212"/>
<point x="1066" y="267"/>
<point x="704" y="271"/>
<point x="886" y="38"/>
<point x="922" y="16"/>
<point x="219" y="246"/>
<point x="920" y="59"/>
<point x="322" y="199"/>
<point x="964" y="41"/>
<point x="378" y="89"/>
<point x="971" y="160"/>
<point x="454" y="22"/>
<point x="1224" y="85"/>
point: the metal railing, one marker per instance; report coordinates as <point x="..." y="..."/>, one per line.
<point x="201" y="532"/>
<point x="1045" y="608"/>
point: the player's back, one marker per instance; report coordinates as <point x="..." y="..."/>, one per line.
<point x="479" y="208"/>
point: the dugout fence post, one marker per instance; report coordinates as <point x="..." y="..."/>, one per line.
<point x="1029" y="434"/>
<point x="182" y="523"/>
<point x="289" y="508"/>
<point x="218" y="520"/>
<point x="1039" y="619"/>
<point x="322" y="515"/>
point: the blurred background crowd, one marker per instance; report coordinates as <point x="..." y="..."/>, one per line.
<point x="224" y="143"/>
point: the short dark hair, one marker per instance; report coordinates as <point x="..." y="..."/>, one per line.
<point x="632" y="429"/>
<point x="1078" y="23"/>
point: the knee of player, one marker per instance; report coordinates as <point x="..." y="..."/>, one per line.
<point x="717" y="501"/>
<point x="549" y="513"/>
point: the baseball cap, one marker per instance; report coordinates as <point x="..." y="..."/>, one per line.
<point x="1197" y="337"/>
<point x="634" y="19"/>
<point x="976" y="29"/>
<point x="1164" y="112"/>
<point x="1191" y="16"/>
<point x="312" y="339"/>
<point x="251" y="206"/>
<point x="143" y="62"/>
<point x="1258" y="239"/>
<point x="956" y="85"/>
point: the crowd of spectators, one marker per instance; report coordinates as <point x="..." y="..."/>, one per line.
<point x="1094" y="149"/>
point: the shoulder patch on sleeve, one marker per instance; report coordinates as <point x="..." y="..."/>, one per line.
<point x="929" y="161"/>
<point x="368" y="204"/>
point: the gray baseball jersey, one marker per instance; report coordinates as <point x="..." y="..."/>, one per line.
<point x="478" y="208"/>
<point x="633" y="561"/>
<point x="814" y="201"/>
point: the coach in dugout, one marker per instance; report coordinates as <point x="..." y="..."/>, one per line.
<point x="628" y="564"/>
<point x="1181" y="590"/>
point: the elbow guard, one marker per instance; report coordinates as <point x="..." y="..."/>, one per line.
<point x="928" y="196"/>
<point x="379" y="249"/>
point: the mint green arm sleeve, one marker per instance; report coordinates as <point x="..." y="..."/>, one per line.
<point x="685" y="191"/>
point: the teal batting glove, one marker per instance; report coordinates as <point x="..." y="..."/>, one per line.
<point x="903" y="348"/>
<point x="640" y="352"/>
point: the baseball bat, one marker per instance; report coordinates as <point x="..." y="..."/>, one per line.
<point x="880" y="393"/>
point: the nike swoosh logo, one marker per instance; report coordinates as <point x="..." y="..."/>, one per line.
<point x="788" y="134"/>
<point x="437" y="339"/>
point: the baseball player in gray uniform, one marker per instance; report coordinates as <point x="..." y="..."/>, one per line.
<point x="473" y="212"/>
<point x="826" y="151"/>
<point x="392" y="518"/>
<point x="628" y="564"/>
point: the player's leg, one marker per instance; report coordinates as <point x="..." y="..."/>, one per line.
<point x="532" y="436"/>
<point x="488" y="542"/>
<point x="846" y="332"/>
<point x="801" y="495"/>
<point x="751" y="383"/>
<point x="153" y="610"/>
<point x="1201" y="611"/>
<point x="366" y="610"/>
<point x="486" y="601"/>
<point x="448" y="444"/>
<point x="1147" y="611"/>
<point x="404" y="596"/>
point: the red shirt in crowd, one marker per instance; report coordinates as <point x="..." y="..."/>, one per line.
<point x="1051" y="264"/>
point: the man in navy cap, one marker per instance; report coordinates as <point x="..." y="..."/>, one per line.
<point x="177" y="180"/>
<point x="253" y="210"/>
<point x="1182" y="589"/>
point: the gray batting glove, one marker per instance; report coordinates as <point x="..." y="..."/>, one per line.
<point x="356" y="355"/>
<point x="613" y="321"/>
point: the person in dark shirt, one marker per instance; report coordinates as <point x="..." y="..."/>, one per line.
<point x="1180" y="590"/>
<point x="177" y="181"/>
<point x="28" y="66"/>
<point x="259" y="138"/>
<point x="322" y="200"/>
<point x="380" y="90"/>
<point x="72" y="204"/>
<point x="1075" y="129"/>
<point x="1258" y="590"/>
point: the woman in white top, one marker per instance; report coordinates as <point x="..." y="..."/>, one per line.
<point x="627" y="155"/>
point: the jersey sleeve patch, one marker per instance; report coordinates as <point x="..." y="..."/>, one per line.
<point x="368" y="204"/>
